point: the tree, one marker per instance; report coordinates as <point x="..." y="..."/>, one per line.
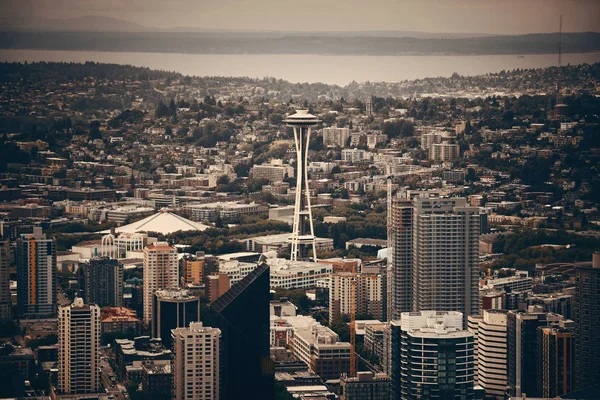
<point x="408" y="129"/>
<point x="223" y="180"/>
<point x="275" y="119"/>
<point x="162" y="110"/>
<point x="34" y="152"/>
<point x="95" y="130"/>
<point x="242" y="169"/>
<point x="172" y="108"/>
<point x="471" y="175"/>
<point x="255" y="185"/>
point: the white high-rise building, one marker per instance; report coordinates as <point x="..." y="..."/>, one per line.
<point x="490" y="333"/>
<point x="196" y="362"/>
<point x="161" y="271"/>
<point x="79" y="348"/>
<point x="336" y="137"/>
<point x="367" y="291"/>
<point x="444" y="152"/>
<point x="431" y="357"/>
<point x="445" y="255"/>
<point x="303" y="232"/>
<point x="429" y="139"/>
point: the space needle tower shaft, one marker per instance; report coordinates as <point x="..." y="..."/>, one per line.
<point x="303" y="233"/>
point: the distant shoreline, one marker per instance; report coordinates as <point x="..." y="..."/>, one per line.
<point x="229" y="44"/>
<point x="517" y="55"/>
<point x="338" y="69"/>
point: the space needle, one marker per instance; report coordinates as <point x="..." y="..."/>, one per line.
<point x="303" y="232"/>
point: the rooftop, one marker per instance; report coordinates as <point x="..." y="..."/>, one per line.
<point x="164" y="222"/>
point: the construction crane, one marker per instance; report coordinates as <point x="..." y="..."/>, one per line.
<point x="353" y="295"/>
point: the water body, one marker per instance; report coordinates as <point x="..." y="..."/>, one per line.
<point x="339" y="70"/>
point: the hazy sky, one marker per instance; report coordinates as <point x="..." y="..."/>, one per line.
<point x="476" y="16"/>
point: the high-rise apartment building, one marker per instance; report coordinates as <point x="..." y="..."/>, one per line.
<point x="429" y="139"/>
<point x="587" y="321"/>
<point x="161" y="271"/>
<point x="336" y="137"/>
<point x="367" y="291"/>
<point x="445" y="253"/>
<point x="196" y="362"/>
<point x="193" y="270"/>
<point x="522" y="349"/>
<point x="555" y="364"/>
<point x="243" y="316"/>
<point x="101" y="282"/>
<point x="173" y="308"/>
<point x="435" y="255"/>
<point x="443" y="152"/>
<point x="400" y="274"/>
<point x="431" y="357"/>
<point x="489" y="331"/>
<point x="36" y="275"/>
<point x="5" y="303"/>
<point x="79" y="348"/>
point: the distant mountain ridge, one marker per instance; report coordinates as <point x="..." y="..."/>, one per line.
<point x="93" y="23"/>
<point x="88" y="23"/>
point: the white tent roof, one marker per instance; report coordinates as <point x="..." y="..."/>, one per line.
<point x="164" y="222"/>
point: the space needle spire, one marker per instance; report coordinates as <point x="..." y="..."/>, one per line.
<point x="303" y="232"/>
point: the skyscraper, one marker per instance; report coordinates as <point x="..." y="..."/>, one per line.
<point x="400" y="296"/>
<point x="173" y="308"/>
<point x="587" y="321"/>
<point x="242" y="315"/>
<point x="196" y="362"/>
<point x="432" y="357"/>
<point x="367" y="291"/>
<point x="5" y="280"/>
<point x="435" y="255"/>
<point x="161" y="271"/>
<point x="445" y="267"/>
<point x="490" y="345"/>
<point x="79" y="348"/>
<point x="555" y="364"/>
<point x="36" y="275"/>
<point x="522" y="349"/>
<point x="101" y="281"/>
<point x="303" y="236"/>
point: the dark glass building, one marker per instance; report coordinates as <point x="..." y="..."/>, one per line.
<point x="172" y="309"/>
<point x="242" y="314"/>
<point x="587" y="324"/>
<point x="101" y="282"/>
<point x="555" y="365"/>
<point x="522" y="372"/>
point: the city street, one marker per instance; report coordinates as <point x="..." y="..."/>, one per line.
<point x="114" y="388"/>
